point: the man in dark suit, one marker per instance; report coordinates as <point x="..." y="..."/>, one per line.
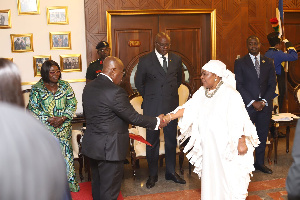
<point x="256" y="82"/>
<point x="158" y="77"/>
<point x="108" y="112"/>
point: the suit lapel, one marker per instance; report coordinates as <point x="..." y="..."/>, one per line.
<point x="157" y="65"/>
<point x="251" y="66"/>
<point x="262" y="66"/>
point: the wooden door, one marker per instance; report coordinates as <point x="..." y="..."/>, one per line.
<point x="132" y="35"/>
<point x="292" y="30"/>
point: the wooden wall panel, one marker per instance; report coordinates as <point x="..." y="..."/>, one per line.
<point x="236" y="20"/>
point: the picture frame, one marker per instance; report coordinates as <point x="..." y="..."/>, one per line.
<point x="21" y="43"/>
<point x="57" y="15"/>
<point x="28" y="7"/>
<point x="37" y="63"/>
<point x="5" y="18"/>
<point x="11" y="59"/>
<point x="60" y="40"/>
<point x="70" y="63"/>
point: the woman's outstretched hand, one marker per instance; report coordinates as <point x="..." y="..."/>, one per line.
<point x="242" y="147"/>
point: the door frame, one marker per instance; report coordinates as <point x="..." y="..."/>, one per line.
<point x="212" y="13"/>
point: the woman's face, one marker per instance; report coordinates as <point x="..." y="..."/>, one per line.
<point x="208" y="79"/>
<point x="54" y="74"/>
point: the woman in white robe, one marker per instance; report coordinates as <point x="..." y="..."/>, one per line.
<point x="222" y="136"/>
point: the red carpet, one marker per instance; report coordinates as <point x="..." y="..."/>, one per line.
<point x="85" y="192"/>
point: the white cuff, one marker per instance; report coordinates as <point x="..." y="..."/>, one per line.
<point x="249" y="104"/>
<point x="158" y="123"/>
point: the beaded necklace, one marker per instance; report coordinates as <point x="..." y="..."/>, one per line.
<point x="210" y="95"/>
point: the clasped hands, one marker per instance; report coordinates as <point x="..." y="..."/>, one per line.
<point x="258" y="105"/>
<point x="164" y="120"/>
<point x="56" y="121"/>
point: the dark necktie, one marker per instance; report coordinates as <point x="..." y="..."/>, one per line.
<point x="257" y="67"/>
<point x="165" y="65"/>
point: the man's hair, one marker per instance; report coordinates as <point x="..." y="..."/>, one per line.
<point x="10" y="83"/>
<point x="252" y="37"/>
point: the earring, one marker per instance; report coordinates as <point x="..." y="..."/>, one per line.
<point x="215" y="79"/>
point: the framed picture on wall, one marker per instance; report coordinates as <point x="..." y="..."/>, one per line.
<point x="21" y="43"/>
<point x="70" y="63"/>
<point x="60" y="40"/>
<point x="11" y="59"/>
<point x="28" y="7"/>
<point x="5" y="19"/>
<point x="37" y="63"/>
<point x="57" y="15"/>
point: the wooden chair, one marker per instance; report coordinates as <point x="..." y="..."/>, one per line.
<point x="26" y="94"/>
<point x="138" y="149"/>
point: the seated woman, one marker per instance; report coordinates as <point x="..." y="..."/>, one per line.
<point x="53" y="102"/>
<point x="222" y="136"/>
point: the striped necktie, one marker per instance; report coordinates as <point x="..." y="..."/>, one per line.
<point x="257" y="66"/>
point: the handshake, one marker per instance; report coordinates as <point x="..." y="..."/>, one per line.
<point x="164" y="120"/>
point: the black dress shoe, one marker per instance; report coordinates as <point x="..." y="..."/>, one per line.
<point x="175" y="177"/>
<point x="151" y="181"/>
<point x="263" y="168"/>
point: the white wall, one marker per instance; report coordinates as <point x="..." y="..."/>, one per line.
<point x="37" y="24"/>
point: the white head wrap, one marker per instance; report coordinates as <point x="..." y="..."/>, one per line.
<point x="219" y="68"/>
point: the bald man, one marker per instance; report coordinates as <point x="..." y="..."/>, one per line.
<point x="108" y="113"/>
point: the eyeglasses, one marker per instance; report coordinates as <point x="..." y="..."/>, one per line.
<point x="54" y="72"/>
<point x="104" y="50"/>
<point x="163" y="45"/>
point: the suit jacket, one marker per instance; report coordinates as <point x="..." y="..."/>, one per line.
<point x="108" y="112"/>
<point x="293" y="178"/>
<point x="158" y="88"/>
<point x="250" y="86"/>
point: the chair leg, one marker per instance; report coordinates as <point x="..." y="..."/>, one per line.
<point x="181" y="158"/>
<point x="190" y="168"/>
<point x="87" y="168"/>
<point x="133" y="163"/>
<point x="80" y="160"/>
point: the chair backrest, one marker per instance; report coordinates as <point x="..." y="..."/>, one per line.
<point x="136" y="102"/>
<point x="26" y="94"/>
<point x="184" y="94"/>
<point x="297" y="95"/>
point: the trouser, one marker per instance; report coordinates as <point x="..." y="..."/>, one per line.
<point x="152" y="152"/>
<point x="106" y="179"/>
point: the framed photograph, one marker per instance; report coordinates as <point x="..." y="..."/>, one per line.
<point x="11" y="59"/>
<point x="70" y="63"/>
<point x="21" y="43"/>
<point x="60" y="40"/>
<point x="37" y="63"/>
<point x="57" y="15"/>
<point x="28" y="7"/>
<point x="5" y="17"/>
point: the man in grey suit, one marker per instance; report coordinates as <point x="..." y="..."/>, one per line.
<point x="158" y="78"/>
<point x="256" y="82"/>
<point x="293" y="178"/>
<point x="108" y="112"/>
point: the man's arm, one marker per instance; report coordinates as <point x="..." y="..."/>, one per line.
<point x="269" y="95"/>
<point x="140" y="78"/>
<point x="90" y="74"/>
<point x="240" y="82"/>
<point x="179" y="74"/>
<point x="125" y="111"/>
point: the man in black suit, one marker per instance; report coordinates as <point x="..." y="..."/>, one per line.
<point x="158" y="77"/>
<point x="256" y="82"/>
<point x="108" y="112"/>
